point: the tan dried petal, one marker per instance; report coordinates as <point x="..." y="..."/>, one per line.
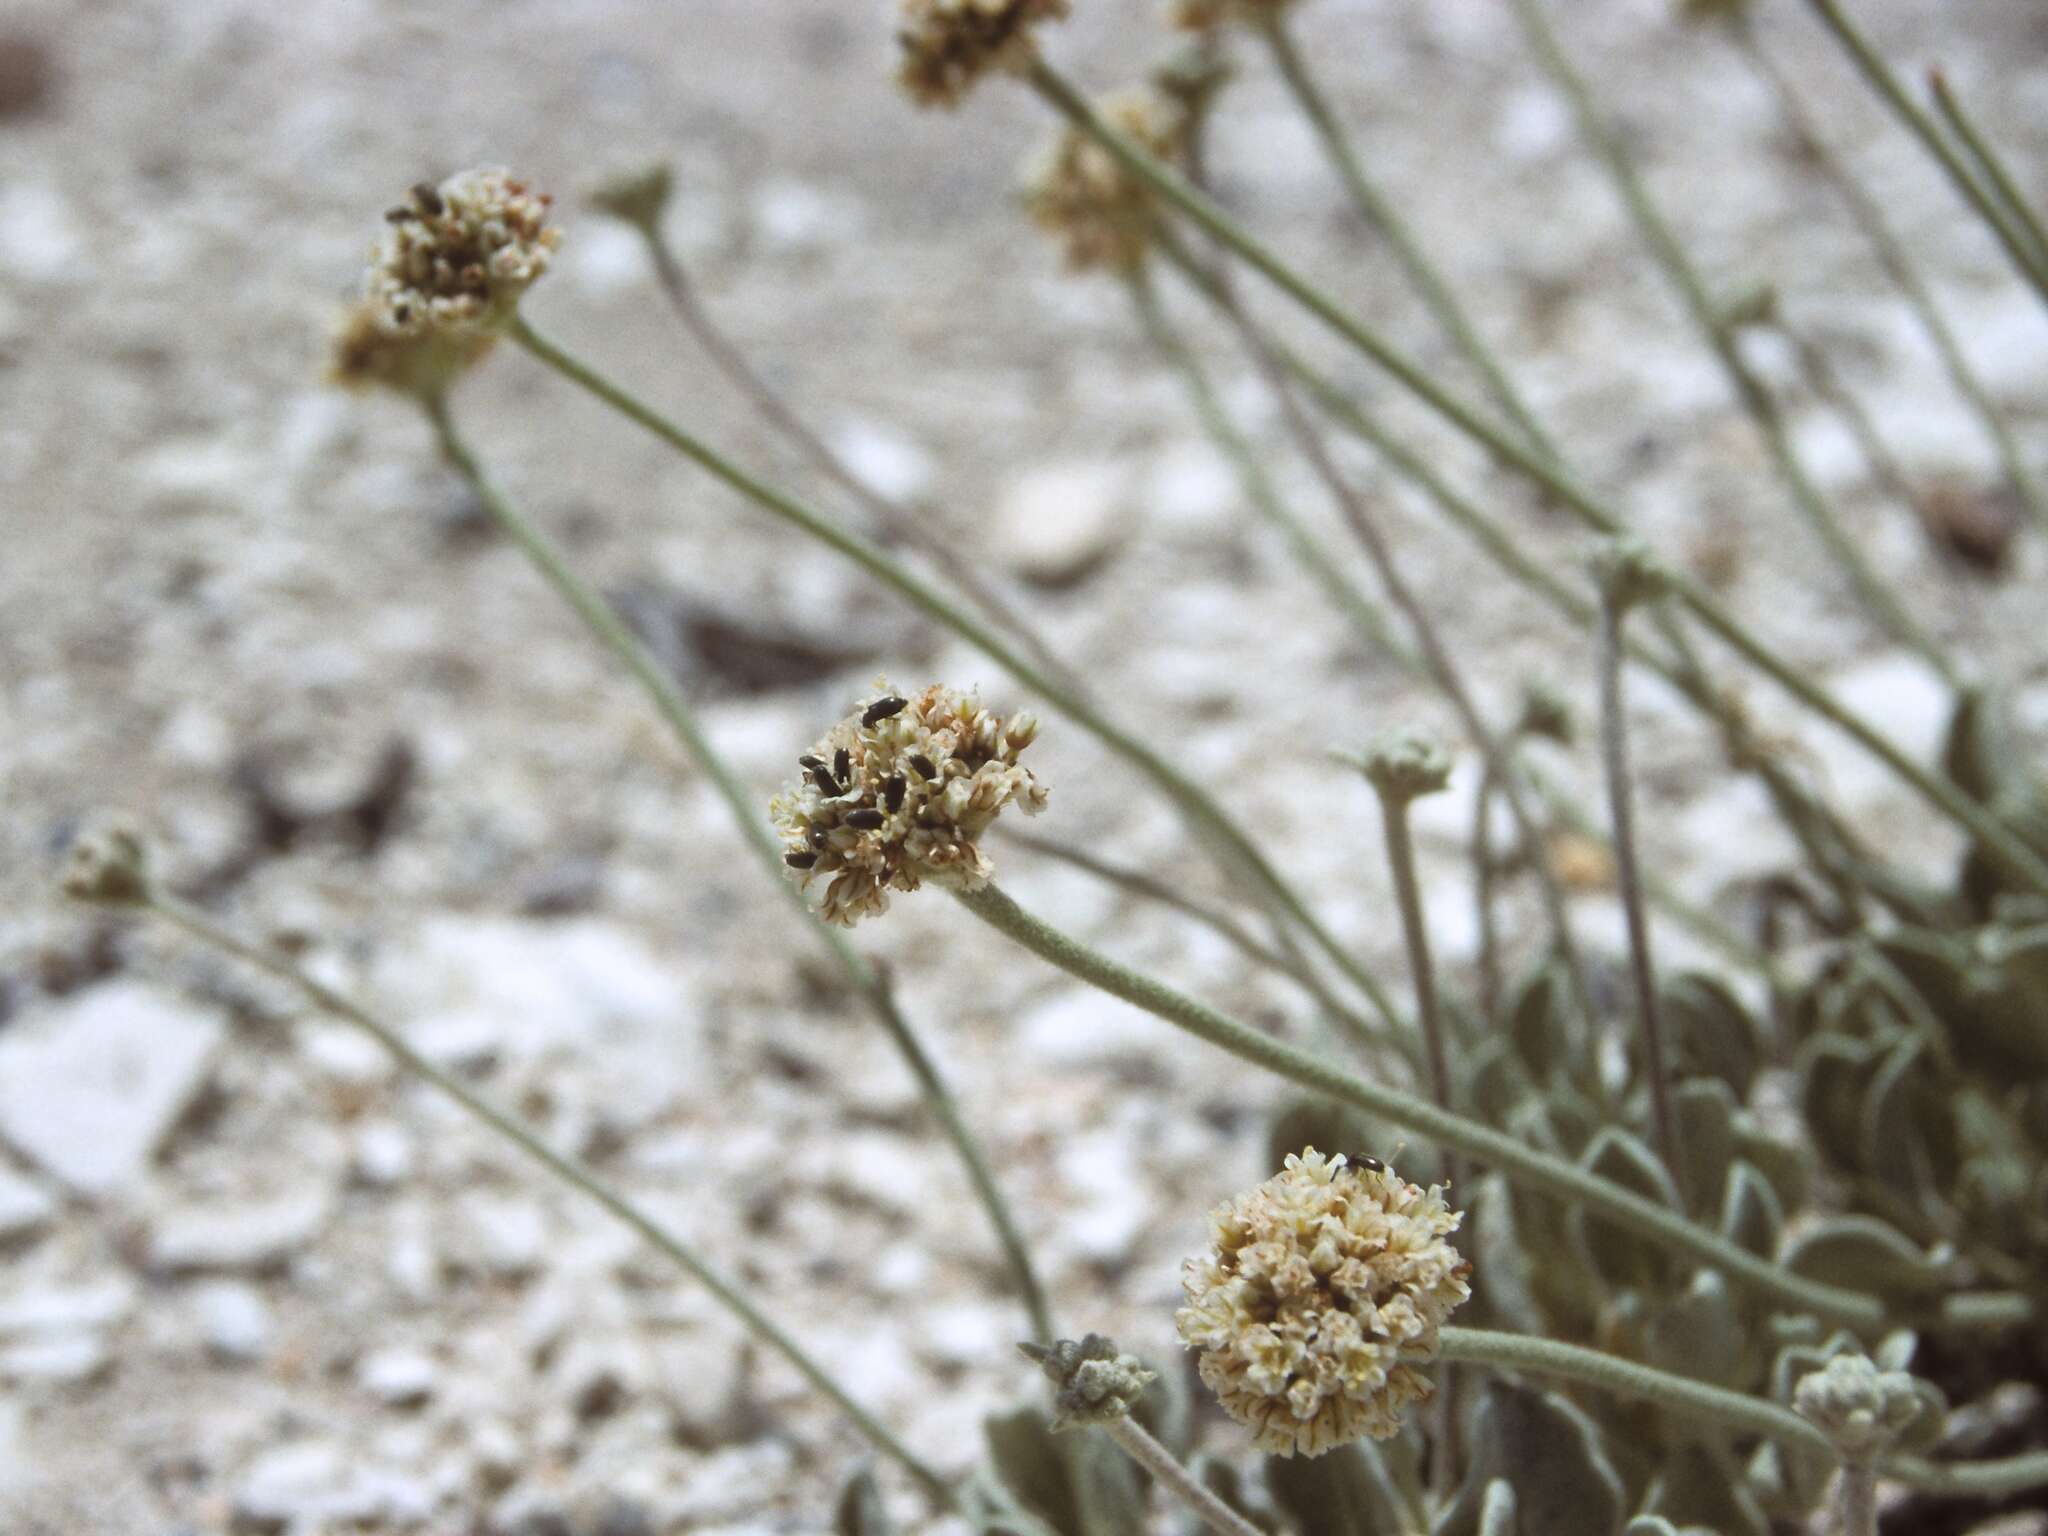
<point x="947" y="45"/>
<point x="1322" y="1291"/>
<point x="1074" y="189"/>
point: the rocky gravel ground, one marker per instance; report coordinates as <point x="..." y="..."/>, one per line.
<point x="251" y="1279"/>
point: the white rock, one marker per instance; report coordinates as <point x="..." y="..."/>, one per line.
<point x="25" y="1206"/>
<point x="1534" y="123"/>
<point x="1077" y="1026"/>
<point x="246" y="1234"/>
<point x="1191" y="486"/>
<point x="383" y="1153"/>
<point x="794" y="216"/>
<point x="234" y="1320"/>
<point x="701" y="1376"/>
<point x="58" y="1357"/>
<point x="302" y="1485"/>
<point x="733" y="1482"/>
<point x="1057" y="523"/>
<point x="884" y="459"/>
<point x="506" y="1233"/>
<point x="90" y="1088"/>
<point x="399" y="1378"/>
<point x="63" y="1309"/>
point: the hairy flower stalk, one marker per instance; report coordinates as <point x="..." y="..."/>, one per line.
<point x="947" y="45"/>
<point x="1321" y="1294"/>
<point x="900" y="792"/>
<point x="444" y="281"/>
<point x="1103" y="216"/>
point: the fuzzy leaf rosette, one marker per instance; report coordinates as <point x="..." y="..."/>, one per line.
<point x="898" y="793"/>
<point x="444" y="280"/>
<point x="1323" y="1290"/>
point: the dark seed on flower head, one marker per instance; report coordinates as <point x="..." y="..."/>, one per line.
<point x="842" y="762"/>
<point x="867" y="819"/>
<point x="924" y="765"/>
<point x="808" y="762"/>
<point x="827" y="785"/>
<point x="882" y="709"/>
<point x="429" y="200"/>
<point x="816" y="836"/>
<point x="799" y="860"/>
<point x="893" y="789"/>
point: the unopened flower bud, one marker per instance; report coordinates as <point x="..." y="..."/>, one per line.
<point x="1095" y="1381"/>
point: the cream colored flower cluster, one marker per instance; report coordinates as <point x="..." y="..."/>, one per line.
<point x="898" y="793"/>
<point x="1076" y="190"/>
<point x="443" y="281"/>
<point x="949" y="44"/>
<point x="1323" y="1292"/>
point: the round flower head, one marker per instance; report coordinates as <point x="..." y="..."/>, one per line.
<point x="1322" y="1293"/>
<point x="949" y="44"/>
<point x="1077" y="191"/>
<point x="897" y="793"/>
<point x="444" y="280"/>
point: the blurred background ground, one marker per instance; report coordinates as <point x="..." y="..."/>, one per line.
<point x="250" y="1279"/>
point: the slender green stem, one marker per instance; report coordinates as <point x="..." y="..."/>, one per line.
<point x="1669" y="254"/>
<point x="1415" y="934"/>
<point x="1892" y="256"/>
<point x="1989" y="165"/>
<point x="1267" y="956"/>
<point x="1521" y="1162"/>
<point x="896" y="522"/>
<point x="1944" y="796"/>
<point x="1879" y="77"/>
<point x="1621" y="802"/>
<point x="730" y="1293"/>
<point x="675" y="710"/>
<point x="1485" y="879"/>
<point x="1857" y="1506"/>
<point x="1132" y="1438"/>
<point x="1971" y="1479"/>
<point x="1210" y="820"/>
<point x="1380" y="213"/>
<point x="1435" y="657"/>
<point x="1314" y="558"/>
<point x="1626" y="1378"/>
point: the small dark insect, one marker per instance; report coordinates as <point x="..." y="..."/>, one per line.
<point x="799" y="860"/>
<point x="867" y="820"/>
<point x="807" y="762"/>
<point x="882" y="709"/>
<point x="429" y="200"/>
<point x="827" y="785"/>
<point x="1361" y="1160"/>
<point x="893" y="789"/>
<point x="816" y="837"/>
<point x="400" y="215"/>
<point x="402" y="313"/>
<point x="842" y="763"/>
<point x="925" y="766"/>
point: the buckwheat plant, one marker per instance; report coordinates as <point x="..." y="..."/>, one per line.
<point x="1736" y="1247"/>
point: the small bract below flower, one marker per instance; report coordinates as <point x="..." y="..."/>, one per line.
<point x="898" y="793"/>
<point x="1323" y="1291"/>
<point x="444" y="280"/>
<point x="949" y="44"/>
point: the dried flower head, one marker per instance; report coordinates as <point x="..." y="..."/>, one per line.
<point x="1202" y="15"/>
<point x="1076" y="190"/>
<point x="443" y="281"/>
<point x="108" y="866"/>
<point x="1097" y="1382"/>
<point x="897" y="793"/>
<point x="949" y="44"/>
<point x="1323" y="1292"/>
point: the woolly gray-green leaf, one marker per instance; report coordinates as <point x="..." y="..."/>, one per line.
<point x="1699" y="1333"/>
<point x="1864" y="1253"/>
<point x="1623" y="1257"/>
<point x="1223" y="1479"/>
<point x="1497" y="1511"/>
<point x="1705" y="1109"/>
<point x="1564" y="1483"/>
<point x="1835" y="1072"/>
<point x="1712" y="1034"/>
<point x="1695" y="1488"/>
<point x="1344" y="1492"/>
<point x="1751" y="1215"/>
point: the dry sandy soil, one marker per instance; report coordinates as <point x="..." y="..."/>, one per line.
<point x="253" y="1279"/>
